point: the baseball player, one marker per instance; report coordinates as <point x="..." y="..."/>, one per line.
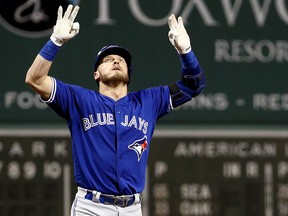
<point x="111" y="129"/>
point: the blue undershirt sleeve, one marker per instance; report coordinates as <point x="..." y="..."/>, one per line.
<point x="192" y="80"/>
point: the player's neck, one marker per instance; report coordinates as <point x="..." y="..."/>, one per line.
<point x="115" y="92"/>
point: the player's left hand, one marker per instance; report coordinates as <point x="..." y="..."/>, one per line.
<point x="178" y="35"/>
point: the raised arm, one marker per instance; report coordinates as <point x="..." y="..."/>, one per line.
<point x="65" y="29"/>
<point x="192" y="78"/>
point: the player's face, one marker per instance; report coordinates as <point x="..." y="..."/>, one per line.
<point x="112" y="70"/>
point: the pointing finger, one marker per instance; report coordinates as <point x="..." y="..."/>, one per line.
<point x="60" y="12"/>
<point x="68" y="12"/>
<point x="74" y="13"/>
<point x="180" y="21"/>
<point x="172" y="22"/>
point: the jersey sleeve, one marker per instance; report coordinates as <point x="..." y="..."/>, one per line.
<point x="158" y="99"/>
<point x="62" y="98"/>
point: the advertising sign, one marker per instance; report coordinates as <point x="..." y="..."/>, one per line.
<point x="241" y="45"/>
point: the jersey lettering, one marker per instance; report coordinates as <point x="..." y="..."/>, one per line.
<point x="86" y="124"/>
<point x="108" y="119"/>
<point x="101" y="119"/>
<point x="141" y="124"/>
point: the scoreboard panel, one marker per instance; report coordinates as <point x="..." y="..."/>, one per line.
<point x="190" y="172"/>
<point x="35" y="175"/>
<point x="219" y="173"/>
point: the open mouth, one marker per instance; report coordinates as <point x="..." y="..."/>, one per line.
<point x="116" y="68"/>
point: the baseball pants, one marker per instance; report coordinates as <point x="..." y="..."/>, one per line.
<point x="84" y="207"/>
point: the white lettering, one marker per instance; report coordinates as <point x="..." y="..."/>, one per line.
<point x="161" y="191"/>
<point x="231" y="9"/>
<point x="273" y="102"/>
<point x="195" y="208"/>
<point x="260" y="13"/>
<point x="38" y="149"/>
<point x="217" y="101"/>
<point x="13" y="170"/>
<point x="141" y="123"/>
<point x="104" y="15"/>
<point x="231" y="12"/>
<point x="225" y="149"/>
<point x="93" y="123"/>
<point x="252" y="170"/>
<point x="10" y="98"/>
<point x="86" y="124"/>
<point x="160" y="169"/>
<point x="52" y="170"/>
<point x="110" y="119"/>
<point x="281" y="8"/>
<point x="104" y="119"/>
<point x="24" y="100"/>
<point x="60" y="149"/>
<point x="282" y="169"/>
<point x="142" y="18"/>
<point x="29" y="169"/>
<point x="202" y="10"/>
<point x="16" y="149"/>
<point x="248" y="51"/>
<point x="232" y="170"/>
<point x="125" y="123"/>
<point x="162" y="207"/>
<point x="133" y="122"/>
<point x="195" y="191"/>
<point x="145" y="129"/>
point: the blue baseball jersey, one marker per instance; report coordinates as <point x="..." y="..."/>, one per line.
<point x="110" y="139"/>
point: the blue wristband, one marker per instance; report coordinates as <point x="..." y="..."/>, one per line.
<point x="190" y="64"/>
<point x="49" y="51"/>
<point x="189" y="60"/>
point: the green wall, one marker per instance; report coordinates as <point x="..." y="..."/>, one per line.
<point x="241" y="45"/>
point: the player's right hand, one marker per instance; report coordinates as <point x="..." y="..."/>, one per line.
<point x="65" y="27"/>
<point x="178" y="35"/>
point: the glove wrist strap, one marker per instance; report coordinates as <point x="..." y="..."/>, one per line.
<point x="185" y="51"/>
<point x="56" y="40"/>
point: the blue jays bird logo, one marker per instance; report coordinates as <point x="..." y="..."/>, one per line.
<point x="139" y="146"/>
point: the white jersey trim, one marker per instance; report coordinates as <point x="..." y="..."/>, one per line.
<point x="53" y="92"/>
<point x="170" y="103"/>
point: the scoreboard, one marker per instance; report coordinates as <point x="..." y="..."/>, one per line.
<point x="35" y="174"/>
<point x="213" y="172"/>
<point x="219" y="173"/>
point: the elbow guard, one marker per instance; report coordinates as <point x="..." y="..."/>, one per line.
<point x="194" y="82"/>
<point x="184" y="90"/>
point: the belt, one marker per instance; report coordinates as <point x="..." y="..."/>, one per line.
<point x="98" y="197"/>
